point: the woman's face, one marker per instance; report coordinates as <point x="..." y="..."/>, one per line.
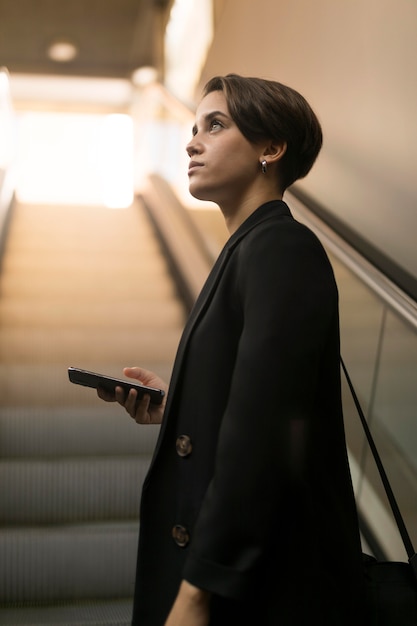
<point x="223" y="163"/>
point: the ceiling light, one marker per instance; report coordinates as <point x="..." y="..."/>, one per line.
<point x="62" y="51"/>
<point x="145" y="75"/>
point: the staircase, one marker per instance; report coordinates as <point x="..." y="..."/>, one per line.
<point x="87" y="287"/>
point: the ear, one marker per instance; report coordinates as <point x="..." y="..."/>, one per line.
<point x="273" y="152"/>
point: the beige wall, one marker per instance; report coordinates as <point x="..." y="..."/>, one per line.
<point x="356" y="62"/>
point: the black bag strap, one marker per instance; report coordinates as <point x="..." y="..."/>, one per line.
<point x="412" y="556"/>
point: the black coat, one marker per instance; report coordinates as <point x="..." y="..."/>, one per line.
<point x="249" y="492"/>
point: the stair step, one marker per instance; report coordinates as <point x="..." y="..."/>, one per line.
<point x="40" y="386"/>
<point x="36" y="258"/>
<point x="75" y="431"/>
<point x="54" y="491"/>
<point x="77" y="227"/>
<point x="94" y="313"/>
<point x="67" y="563"/>
<point x="43" y="345"/>
<point x="105" y="613"/>
<point x="68" y="285"/>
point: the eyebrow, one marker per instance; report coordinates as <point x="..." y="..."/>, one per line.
<point x="209" y="116"/>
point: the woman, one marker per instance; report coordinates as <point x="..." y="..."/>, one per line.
<point x="247" y="512"/>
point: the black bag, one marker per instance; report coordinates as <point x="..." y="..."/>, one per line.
<point x="391" y="586"/>
<point x="392" y="594"/>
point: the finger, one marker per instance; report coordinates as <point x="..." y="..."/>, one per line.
<point x="120" y="395"/>
<point x="106" y="395"/>
<point x="130" y="402"/>
<point x="134" y="372"/>
<point x="142" y="415"/>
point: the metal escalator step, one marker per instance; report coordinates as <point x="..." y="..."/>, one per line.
<point x="68" y="490"/>
<point x="75" y="431"/>
<point x="92" y="313"/>
<point x="37" y="387"/>
<point x="67" y="285"/>
<point x="105" y="613"/>
<point x="25" y="345"/>
<point x="67" y="563"/>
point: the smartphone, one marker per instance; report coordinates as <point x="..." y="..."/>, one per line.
<point x="94" y="380"/>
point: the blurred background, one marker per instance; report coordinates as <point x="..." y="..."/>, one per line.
<point x="103" y="252"/>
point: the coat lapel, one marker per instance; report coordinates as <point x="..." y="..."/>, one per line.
<point x="198" y="310"/>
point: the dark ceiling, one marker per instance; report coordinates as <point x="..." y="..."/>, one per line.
<point x="113" y="37"/>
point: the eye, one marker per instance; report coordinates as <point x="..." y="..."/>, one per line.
<point x="215" y="124"/>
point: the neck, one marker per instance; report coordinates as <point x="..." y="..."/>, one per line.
<point x="234" y="215"/>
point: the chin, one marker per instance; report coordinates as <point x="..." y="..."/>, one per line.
<point x="199" y="194"/>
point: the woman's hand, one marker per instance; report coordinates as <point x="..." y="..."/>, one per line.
<point x="143" y="412"/>
<point x="191" y="607"/>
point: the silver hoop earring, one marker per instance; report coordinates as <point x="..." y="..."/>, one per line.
<point x="264" y="166"/>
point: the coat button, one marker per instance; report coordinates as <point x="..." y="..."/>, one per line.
<point x="180" y="535"/>
<point x="183" y="445"/>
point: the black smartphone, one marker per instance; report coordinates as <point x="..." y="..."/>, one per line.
<point x="94" y="380"/>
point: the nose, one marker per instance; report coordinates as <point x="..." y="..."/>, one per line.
<point x="192" y="147"/>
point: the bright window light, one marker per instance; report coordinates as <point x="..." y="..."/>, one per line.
<point x="75" y="159"/>
<point x="187" y="39"/>
<point x="115" y="161"/>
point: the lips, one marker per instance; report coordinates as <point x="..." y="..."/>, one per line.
<point x="194" y="165"/>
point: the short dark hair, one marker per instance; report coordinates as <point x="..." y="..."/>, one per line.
<point x="265" y="109"/>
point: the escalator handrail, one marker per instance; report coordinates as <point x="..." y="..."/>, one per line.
<point x="385" y="288"/>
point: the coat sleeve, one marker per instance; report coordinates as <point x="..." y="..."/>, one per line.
<point x="289" y="304"/>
